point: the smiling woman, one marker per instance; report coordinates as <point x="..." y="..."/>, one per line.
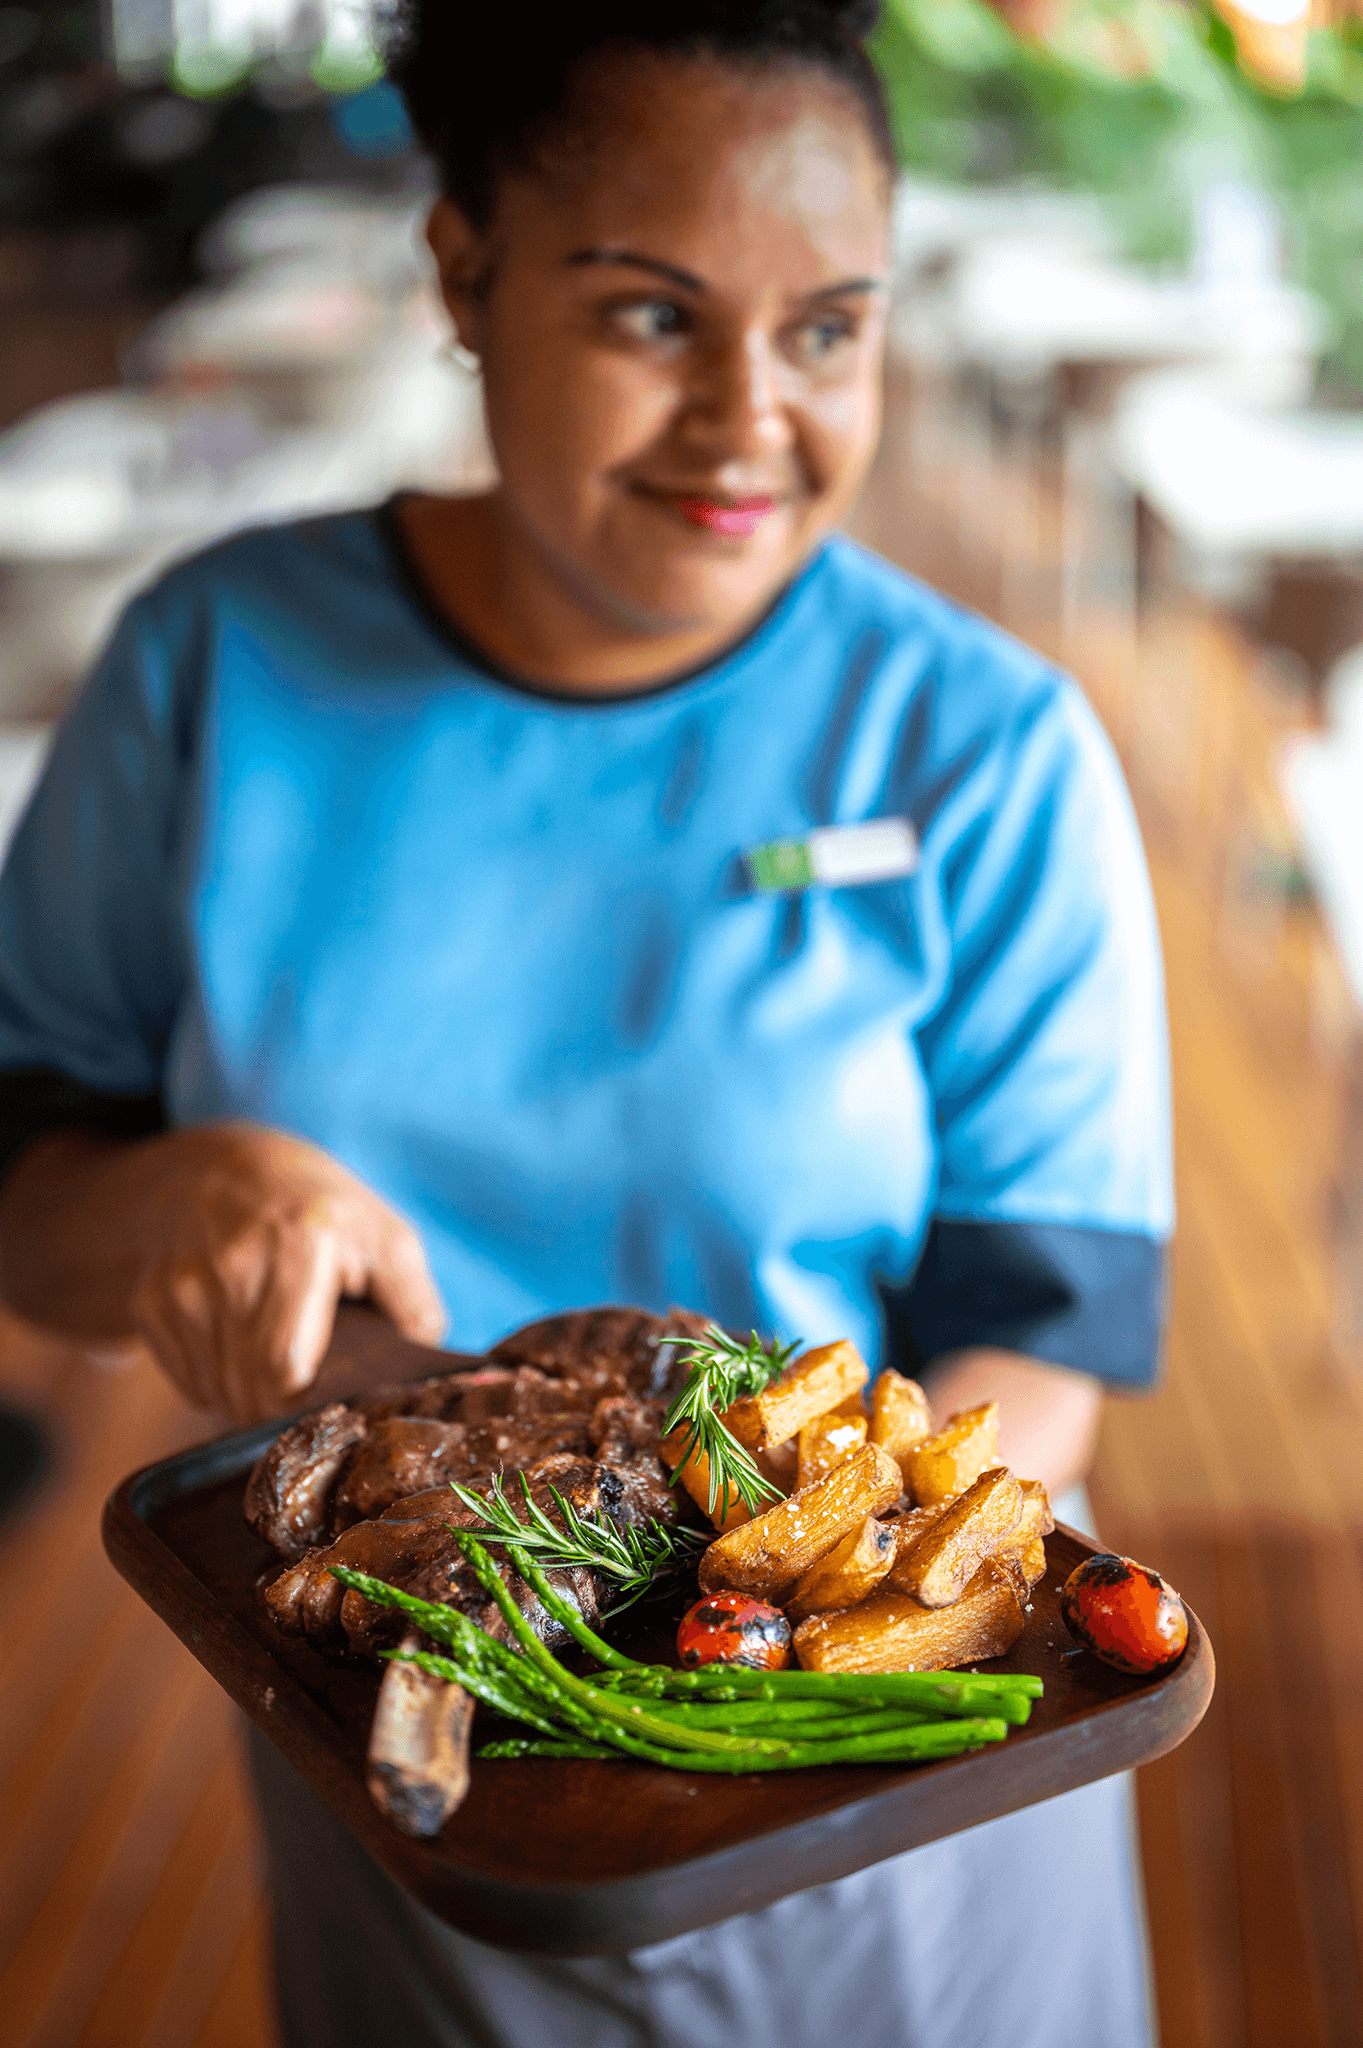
<point x="615" y="886"/>
<point x="681" y="365"/>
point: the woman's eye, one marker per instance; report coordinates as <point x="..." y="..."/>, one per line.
<point x="818" y="339"/>
<point x="651" y="320"/>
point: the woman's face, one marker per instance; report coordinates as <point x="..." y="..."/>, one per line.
<point x="680" y="323"/>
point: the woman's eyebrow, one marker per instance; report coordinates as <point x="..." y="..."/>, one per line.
<point x="687" y="280"/>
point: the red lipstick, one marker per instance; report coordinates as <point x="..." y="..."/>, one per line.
<point x="741" y="516"/>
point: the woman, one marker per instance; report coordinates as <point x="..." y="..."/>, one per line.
<point x="391" y="921"/>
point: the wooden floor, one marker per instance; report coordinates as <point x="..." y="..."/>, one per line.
<point x="131" y="1911"/>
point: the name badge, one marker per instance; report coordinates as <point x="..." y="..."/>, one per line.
<point x="836" y="856"/>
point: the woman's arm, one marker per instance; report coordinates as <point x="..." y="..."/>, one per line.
<point x="1048" y="1416"/>
<point x="225" y="1248"/>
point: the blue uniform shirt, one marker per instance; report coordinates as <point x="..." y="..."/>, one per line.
<point x="302" y="857"/>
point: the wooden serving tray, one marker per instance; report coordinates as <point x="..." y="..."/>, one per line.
<point x="571" y="1858"/>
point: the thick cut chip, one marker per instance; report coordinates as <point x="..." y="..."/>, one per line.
<point x="1027" y="1559"/>
<point x="851" y="1570"/>
<point x="1026" y="1546"/>
<point x="769" y="1553"/>
<point x="900" y="1417"/>
<point x="819" y="1381"/>
<point x="909" y="1527"/>
<point x="825" y="1442"/>
<point x="892" y="1632"/>
<point x="948" y="1462"/>
<point x="937" y="1566"/>
<point x="728" y="1511"/>
<point x="1035" y="1496"/>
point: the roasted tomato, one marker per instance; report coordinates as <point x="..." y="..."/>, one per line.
<point x="733" y="1628"/>
<point x="1124" y="1613"/>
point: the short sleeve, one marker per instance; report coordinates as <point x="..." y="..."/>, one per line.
<point x="92" y="951"/>
<point x="1047" y="1062"/>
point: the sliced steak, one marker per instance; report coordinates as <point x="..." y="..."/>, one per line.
<point x="614" y="1350"/>
<point x="412" y="1546"/>
<point x="288" y="1495"/>
<point x="623" y="1434"/>
<point x="403" y="1455"/>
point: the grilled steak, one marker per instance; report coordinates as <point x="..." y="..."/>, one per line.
<point x="594" y="1383"/>
<point x="288" y="1495"/>
<point x="412" y="1546"/>
<point x="575" y="1403"/>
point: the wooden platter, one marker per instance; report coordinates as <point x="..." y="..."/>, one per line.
<point x="572" y="1858"/>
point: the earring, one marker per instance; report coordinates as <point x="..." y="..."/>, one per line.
<point x="464" y="359"/>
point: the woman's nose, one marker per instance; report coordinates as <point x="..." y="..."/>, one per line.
<point x="738" y="404"/>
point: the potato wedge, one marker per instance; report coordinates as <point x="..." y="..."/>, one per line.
<point x="728" y="1511"/>
<point x="909" y="1527"/>
<point x="814" y="1384"/>
<point x="851" y="1570"/>
<point x="825" y="1442"/>
<point x="900" y="1416"/>
<point x="1026" y="1546"/>
<point x="892" y="1632"/>
<point x="1027" y="1559"/>
<point x="944" y="1464"/>
<point x="768" y="1554"/>
<point x="938" y="1565"/>
<point x="1034" y="1492"/>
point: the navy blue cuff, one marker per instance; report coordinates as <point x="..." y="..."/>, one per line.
<point x="1090" y="1299"/>
<point x="34" y="1100"/>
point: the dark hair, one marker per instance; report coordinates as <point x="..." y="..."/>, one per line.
<point x="487" y="90"/>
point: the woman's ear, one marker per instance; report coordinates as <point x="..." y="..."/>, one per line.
<point x="460" y="260"/>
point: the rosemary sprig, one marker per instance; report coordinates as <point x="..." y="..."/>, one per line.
<point x="633" y="1558"/>
<point x="724" y="1370"/>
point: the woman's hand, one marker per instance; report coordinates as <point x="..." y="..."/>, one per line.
<point x="225" y="1248"/>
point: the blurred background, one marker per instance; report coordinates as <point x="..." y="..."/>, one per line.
<point x="1125" y="418"/>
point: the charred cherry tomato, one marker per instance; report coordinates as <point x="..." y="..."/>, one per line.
<point x="1124" y="1613"/>
<point x="733" y="1628"/>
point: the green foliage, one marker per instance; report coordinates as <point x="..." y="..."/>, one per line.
<point x="973" y="102"/>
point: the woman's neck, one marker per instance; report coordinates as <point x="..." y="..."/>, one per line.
<point x="488" y="578"/>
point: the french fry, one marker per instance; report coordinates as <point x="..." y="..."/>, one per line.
<point x="728" y="1511"/>
<point x="942" y="1465"/>
<point x="892" y="1632"/>
<point x="769" y="1553"/>
<point x="937" y="1565"/>
<point x="908" y="1528"/>
<point x="851" y="1570"/>
<point x="814" y="1384"/>
<point x="1027" y="1559"/>
<point x="899" y="1414"/>
<point x="1034" y="1492"/>
<point x="1026" y="1546"/>
<point x="825" y="1442"/>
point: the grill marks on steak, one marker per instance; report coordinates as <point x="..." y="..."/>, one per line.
<point x="591" y="1383"/>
